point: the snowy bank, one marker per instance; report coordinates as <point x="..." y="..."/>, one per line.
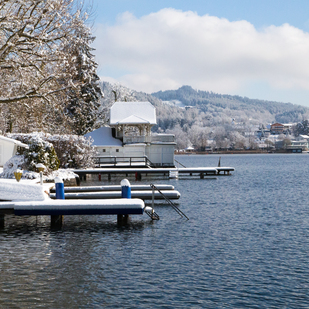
<point x="25" y="190"/>
<point x="17" y="163"/>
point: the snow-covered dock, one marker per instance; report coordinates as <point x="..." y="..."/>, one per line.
<point x="113" y="188"/>
<point x="80" y="207"/>
<point x="57" y="208"/>
<point x="191" y="171"/>
<point x="142" y="194"/>
<point x="28" y="199"/>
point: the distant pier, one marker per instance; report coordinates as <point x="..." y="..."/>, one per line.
<point x="141" y="172"/>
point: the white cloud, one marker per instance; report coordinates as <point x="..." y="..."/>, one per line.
<point x="171" y="48"/>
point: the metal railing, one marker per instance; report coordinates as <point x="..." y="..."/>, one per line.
<point x="131" y="161"/>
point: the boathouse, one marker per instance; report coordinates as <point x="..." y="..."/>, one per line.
<point x="129" y="138"/>
<point x="8" y="148"/>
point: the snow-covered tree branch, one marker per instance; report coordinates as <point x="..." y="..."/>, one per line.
<point x="37" y="41"/>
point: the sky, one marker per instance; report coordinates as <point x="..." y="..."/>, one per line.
<point x="253" y="48"/>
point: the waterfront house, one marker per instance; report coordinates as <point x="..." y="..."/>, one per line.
<point x="300" y="144"/>
<point x="129" y="136"/>
<point x="8" y="148"/>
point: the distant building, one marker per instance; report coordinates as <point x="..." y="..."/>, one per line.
<point x="276" y="128"/>
<point x="279" y="128"/>
<point x="303" y="144"/>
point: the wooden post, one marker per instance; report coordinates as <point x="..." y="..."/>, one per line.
<point x="122" y="220"/>
<point x="1" y="221"/>
<point x="138" y="176"/>
<point x="56" y="221"/>
<point x="119" y="220"/>
<point x="109" y="177"/>
<point x="201" y="175"/>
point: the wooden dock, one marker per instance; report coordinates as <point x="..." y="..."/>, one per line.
<point x="140" y="172"/>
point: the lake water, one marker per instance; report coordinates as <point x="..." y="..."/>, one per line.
<point x="246" y="245"/>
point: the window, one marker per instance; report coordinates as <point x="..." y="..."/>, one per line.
<point x="117" y="150"/>
<point x="103" y="150"/>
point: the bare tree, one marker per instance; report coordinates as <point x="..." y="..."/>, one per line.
<point x="35" y="66"/>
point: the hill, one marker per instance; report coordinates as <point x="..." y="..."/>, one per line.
<point x="235" y="106"/>
<point x="201" y="117"/>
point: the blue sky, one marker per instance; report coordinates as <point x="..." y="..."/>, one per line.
<point x="257" y="49"/>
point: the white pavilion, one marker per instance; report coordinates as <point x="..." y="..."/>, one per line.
<point x="129" y="136"/>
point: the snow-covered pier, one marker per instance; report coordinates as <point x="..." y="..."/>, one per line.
<point x="139" y="172"/>
<point x="58" y="208"/>
<point x="28" y="199"/>
<point x="144" y="192"/>
<point x="112" y="188"/>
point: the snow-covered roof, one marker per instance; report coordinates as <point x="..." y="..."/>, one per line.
<point x="132" y="113"/>
<point x="10" y="140"/>
<point x="103" y="137"/>
<point x="304" y="136"/>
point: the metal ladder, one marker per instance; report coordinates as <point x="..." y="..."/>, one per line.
<point x="179" y="163"/>
<point x="167" y="200"/>
<point x="152" y="214"/>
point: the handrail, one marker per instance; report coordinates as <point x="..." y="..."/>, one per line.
<point x="179" y="163"/>
<point x="130" y="160"/>
<point x="167" y="200"/>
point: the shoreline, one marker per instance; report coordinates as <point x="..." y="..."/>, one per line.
<point x="236" y="152"/>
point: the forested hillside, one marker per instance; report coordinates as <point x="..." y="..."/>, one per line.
<point x="236" y="106"/>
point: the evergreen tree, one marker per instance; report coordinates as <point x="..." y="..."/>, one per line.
<point x="84" y="99"/>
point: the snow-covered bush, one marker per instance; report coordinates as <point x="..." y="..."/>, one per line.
<point x="40" y="151"/>
<point x="17" y="163"/>
<point x="72" y="150"/>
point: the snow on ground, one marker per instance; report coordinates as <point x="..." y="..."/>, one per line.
<point x="17" y="162"/>
<point x="25" y="190"/>
<point x="62" y="173"/>
<point x="28" y="188"/>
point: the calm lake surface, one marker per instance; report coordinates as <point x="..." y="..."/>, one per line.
<point x="246" y="245"/>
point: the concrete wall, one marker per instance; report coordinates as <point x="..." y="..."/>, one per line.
<point x="158" y="154"/>
<point x="161" y="154"/>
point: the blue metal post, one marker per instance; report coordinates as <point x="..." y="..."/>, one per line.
<point x="56" y="220"/>
<point x="125" y="188"/>
<point x="59" y="188"/>
<point x="125" y="193"/>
